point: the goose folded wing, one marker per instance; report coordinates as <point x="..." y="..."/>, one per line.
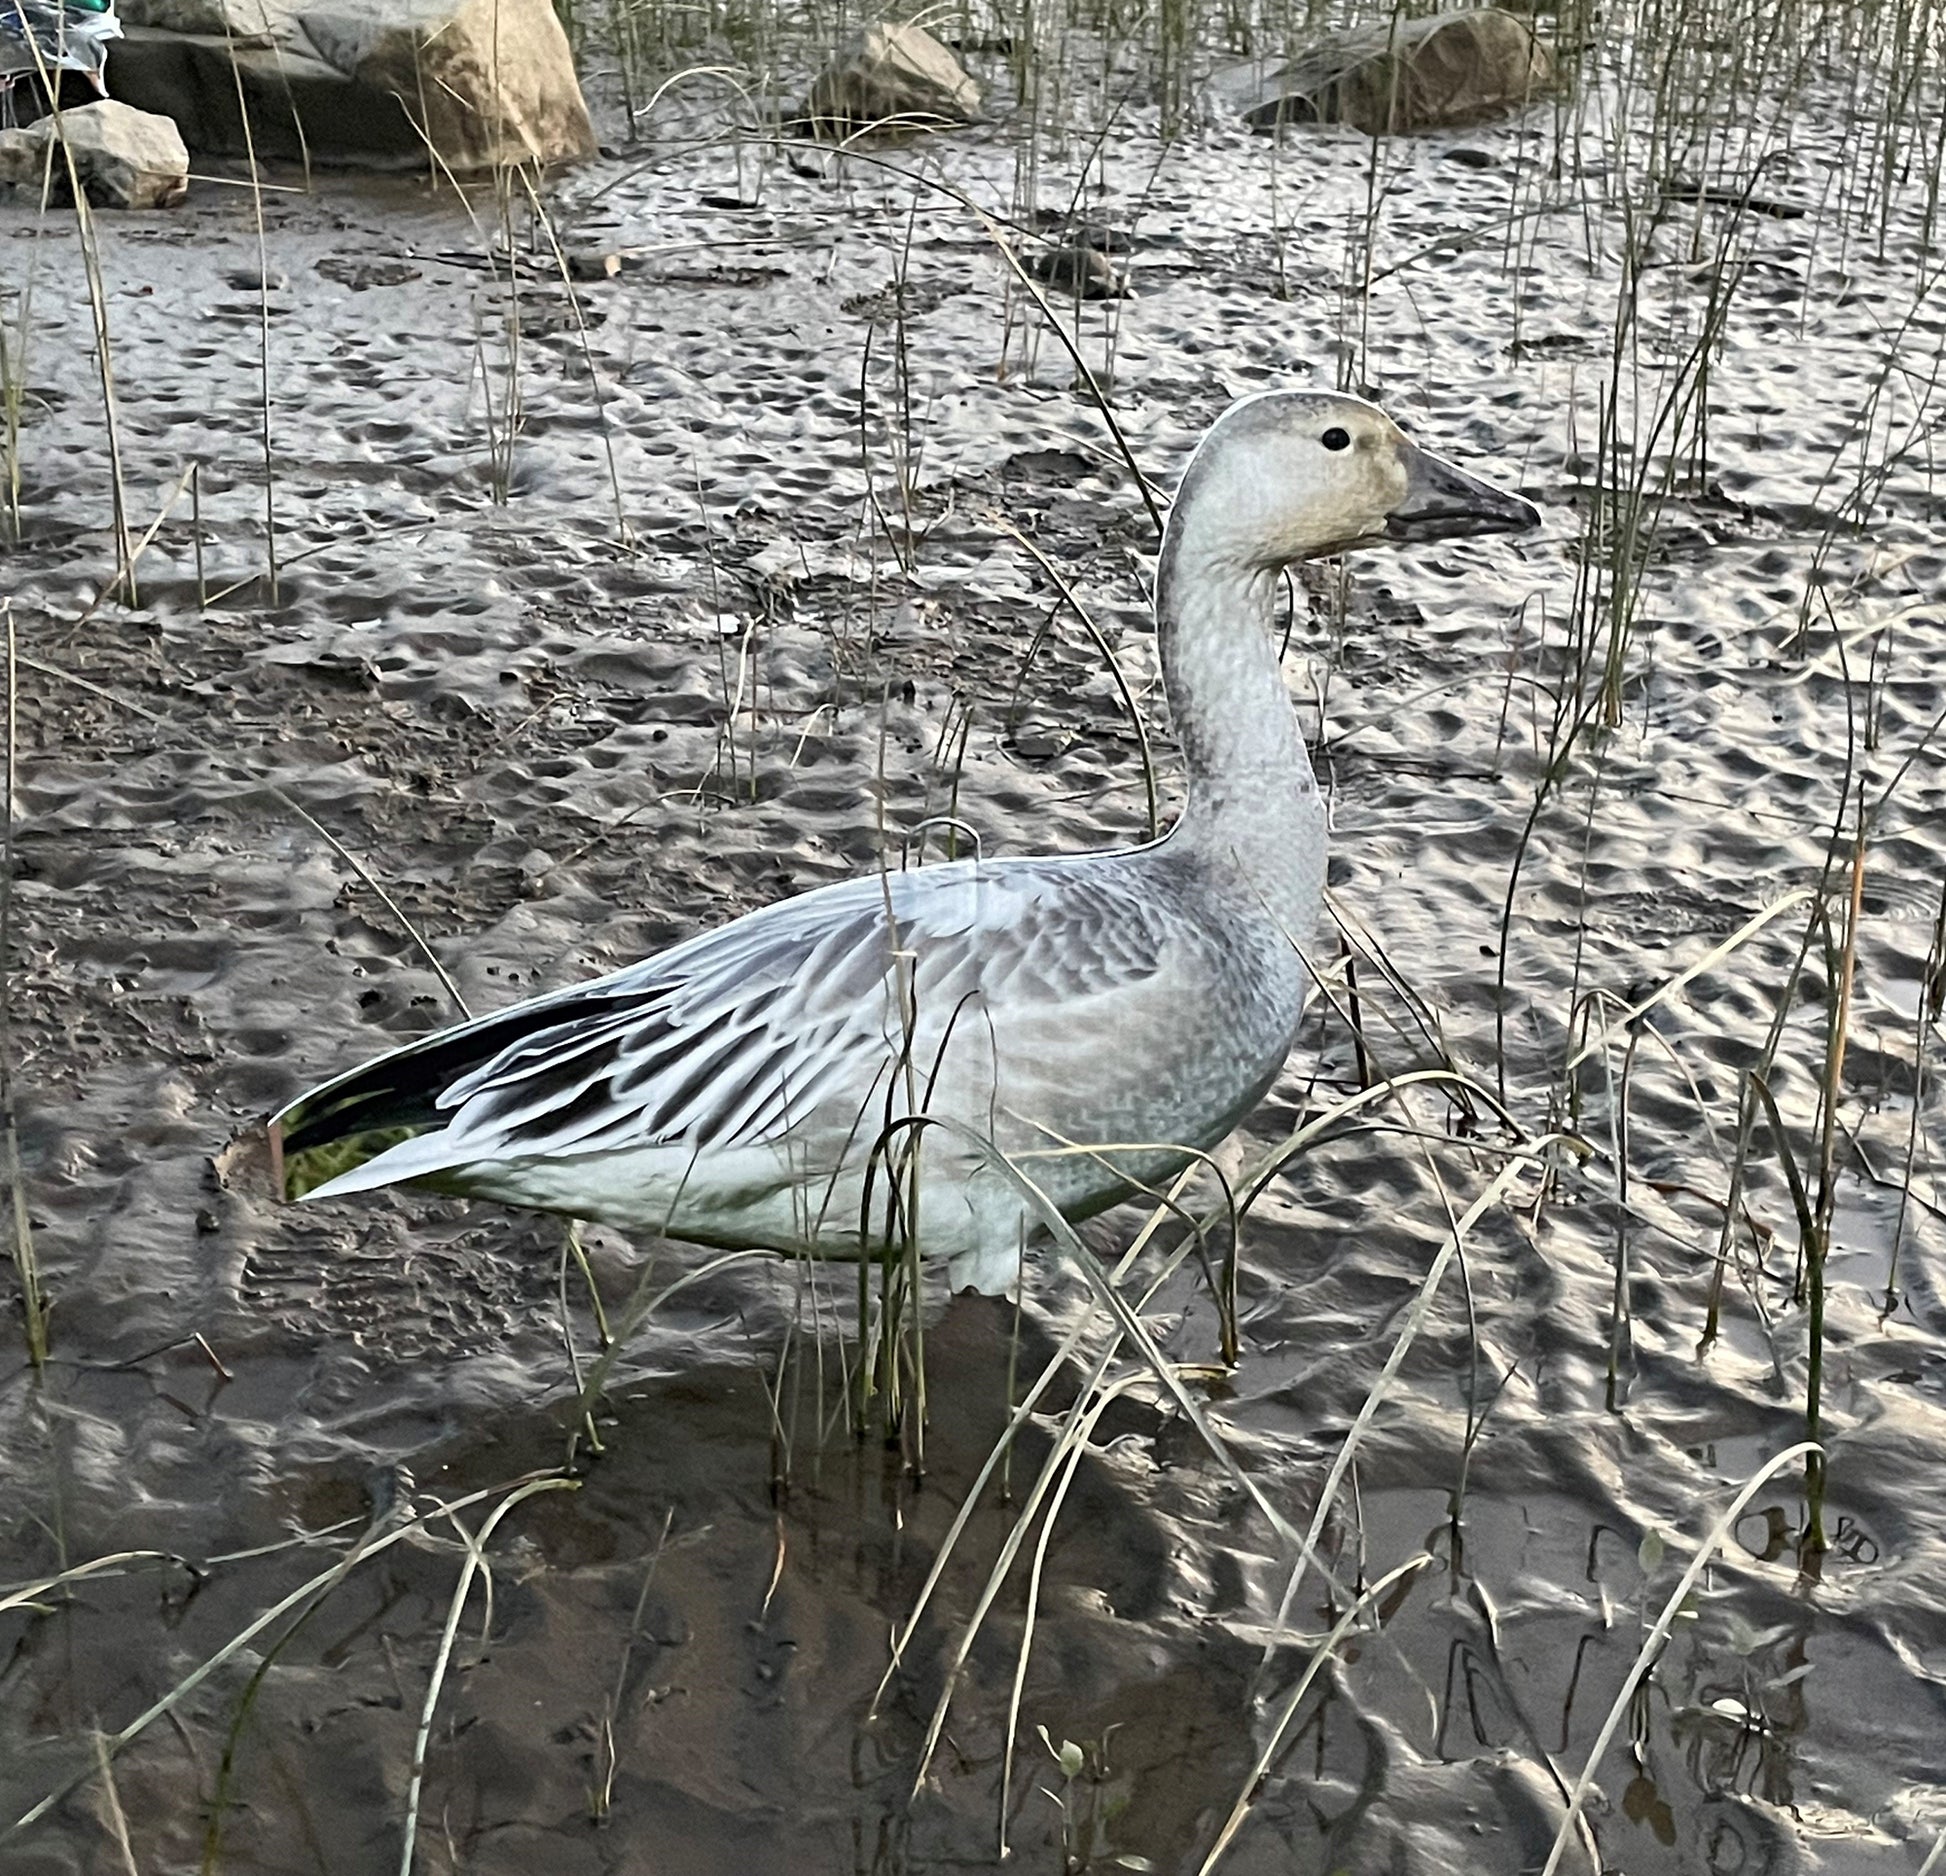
<point x="730" y="1039"/>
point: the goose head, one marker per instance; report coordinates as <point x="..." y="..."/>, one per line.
<point x="1297" y="475"/>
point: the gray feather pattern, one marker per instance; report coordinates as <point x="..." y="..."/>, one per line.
<point x="735" y="1037"/>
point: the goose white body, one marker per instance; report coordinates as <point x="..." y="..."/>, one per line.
<point x="1095" y="1019"/>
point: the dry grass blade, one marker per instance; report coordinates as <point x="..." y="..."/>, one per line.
<point x="263" y="333"/>
<point x="13" y="395"/>
<point x="476" y="1563"/>
<point x="1137" y="1334"/>
<point x="117" y="1818"/>
<point x="28" y="1595"/>
<point x="1049" y="1486"/>
<point x="1415" y="1319"/>
<point x="131" y="553"/>
<point x="284" y="800"/>
<point x="640" y="1307"/>
<point x="997" y="235"/>
<point x="1023" y="1410"/>
<point x="98" y="311"/>
<point x="26" y="1260"/>
<point x="1269" y="1164"/>
<point x="602" y="1799"/>
<point x="368" y="1547"/>
<point x="1803" y="895"/>
<point x="537" y="208"/>
<point x="1068" y="1453"/>
<point x="1108" y="658"/>
<point x="1129" y="1327"/>
<point x="1651" y="1647"/>
<point x="1095" y="392"/>
<point x="1369" y="1599"/>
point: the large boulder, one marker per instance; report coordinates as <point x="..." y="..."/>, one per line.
<point x="466" y="85"/>
<point x="123" y="158"/>
<point x="890" y="78"/>
<point x="1423" y="74"/>
<point x="486" y="81"/>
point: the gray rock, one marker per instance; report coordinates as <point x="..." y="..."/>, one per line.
<point x="123" y="158"/>
<point x="1084" y="273"/>
<point x="891" y="78"/>
<point x="1423" y="74"/>
<point x="194" y="16"/>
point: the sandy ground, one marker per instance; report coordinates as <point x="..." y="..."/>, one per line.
<point x="559" y="736"/>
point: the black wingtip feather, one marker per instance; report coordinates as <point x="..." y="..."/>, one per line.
<point x="347" y="1121"/>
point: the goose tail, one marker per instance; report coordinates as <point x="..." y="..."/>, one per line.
<point x="386" y="1121"/>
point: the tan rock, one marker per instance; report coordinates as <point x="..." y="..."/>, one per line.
<point x="369" y="82"/>
<point x="891" y="78"/>
<point x="1423" y="74"/>
<point x="486" y="81"/>
<point x="123" y="158"/>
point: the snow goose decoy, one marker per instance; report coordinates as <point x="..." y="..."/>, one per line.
<point x="739" y="1089"/>
<point x="47" y="37"/>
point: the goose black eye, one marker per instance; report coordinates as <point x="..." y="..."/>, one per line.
<point x="1334" y="438"/>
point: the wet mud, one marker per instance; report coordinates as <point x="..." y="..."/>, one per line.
<point x="741" y="604"/>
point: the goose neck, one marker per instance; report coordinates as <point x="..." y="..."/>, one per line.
<point x="1232" y="715"/>
<point x="1254" y="816"/>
